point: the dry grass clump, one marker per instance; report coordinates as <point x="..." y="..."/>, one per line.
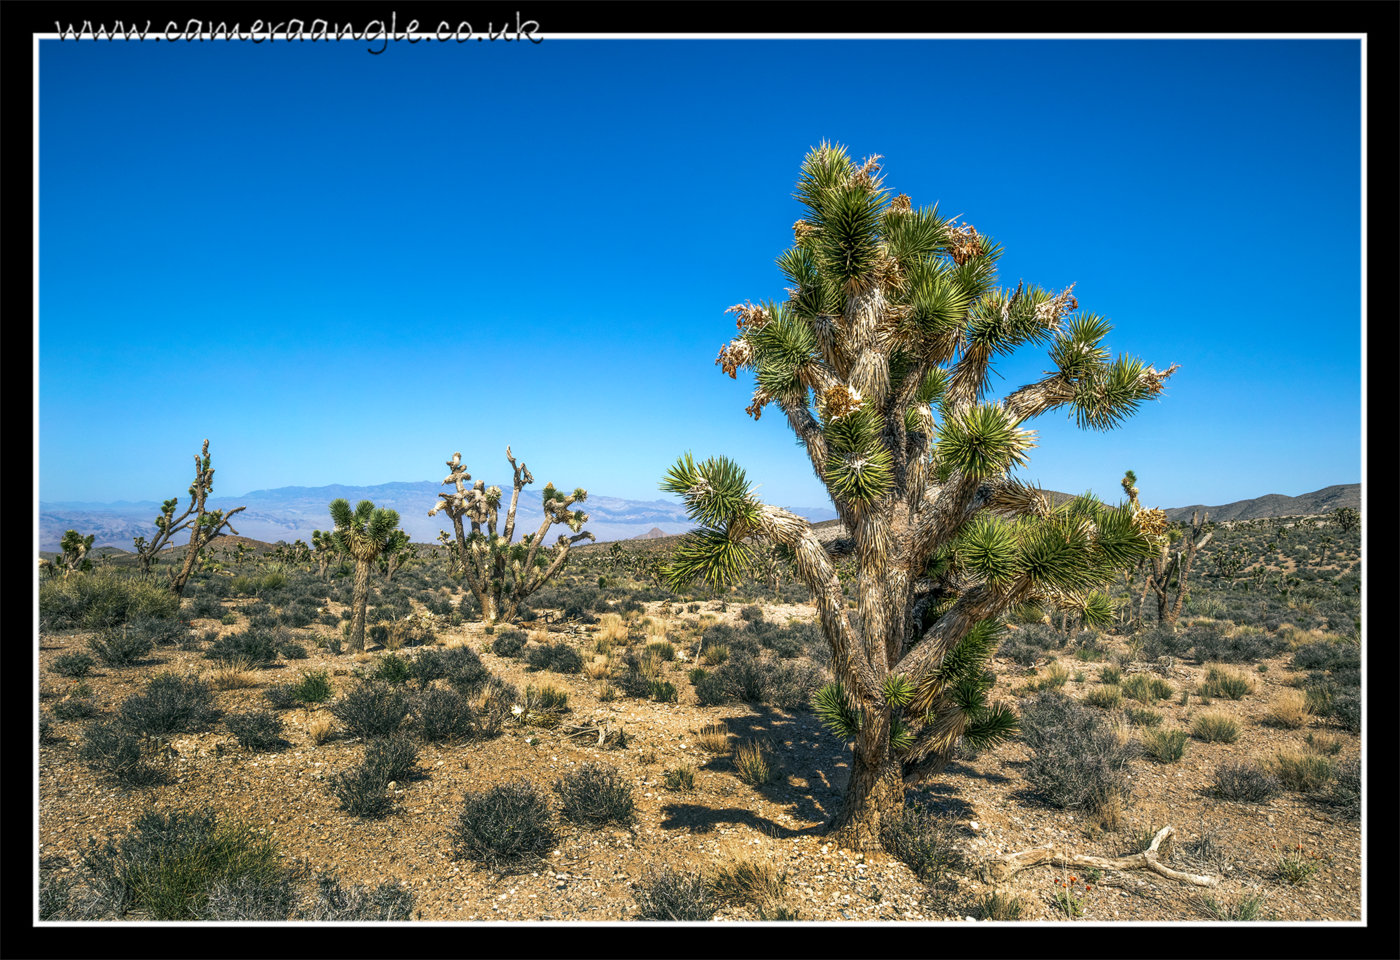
<point x="599" y="669"/>
<point x="655" y="628"/>
<point x="1290" y="709"/>
<point x="319" y="729"/>
<point x="235" y="674"/>
<point x="714" y="738"/>
<point x="1215" y="728"/>
<point x="753" y="764"/>
<point x="747" y="881"/>
<point x="612" y="630"/>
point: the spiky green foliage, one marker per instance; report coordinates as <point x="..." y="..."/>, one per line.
<point x="880" y="359"/>
<point x="362" y="534"/>
<point x="500" y="573"/>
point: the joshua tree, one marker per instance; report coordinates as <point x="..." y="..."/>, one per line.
<point x="75" y="549"/>
<point x="1346" y="518"/>
<point x="1168" y="572"/>
<point x="395" y="555"/>
<point x="323" y="545"/>
<point x="892" y="318"/>
<point x="363" y="535"/>
<point x="203" y="526"/>
<point x="499" y="573"/>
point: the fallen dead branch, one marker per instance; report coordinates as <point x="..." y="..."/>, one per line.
<point x="1000" y="867"/>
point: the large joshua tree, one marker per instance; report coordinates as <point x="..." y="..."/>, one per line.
<point x="362" y="535"/>
<point x="501" y="574"/>
<point x="880" y="359"/>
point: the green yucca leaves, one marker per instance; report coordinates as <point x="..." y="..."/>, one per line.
<point x="969" y="657"/>
<point x="897" y="690"/>
<point x="859" y="478"/>
<point x="982" y="443"/>
<point x="991" y="726"/>
<point x="987" y="548"/>
<point x="708" y="556"/>
<point x="1058" y="552"/>
<point x="836" y="712"/>
<point x="901" y="737"/>
<point x="782" y="349"/>
<point x="716" y="491"/>
<point x="1097" y="609"/>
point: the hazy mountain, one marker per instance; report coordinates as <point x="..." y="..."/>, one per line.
<point x="289" y="513"/>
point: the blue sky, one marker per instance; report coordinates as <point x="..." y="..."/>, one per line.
<point x="341" y="268"/>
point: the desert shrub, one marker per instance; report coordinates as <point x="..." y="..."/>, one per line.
<point x="169" y="863"/>
<point x="1327" y="656"/>
<point x="1077" y="760"/>
<point x="372" y="709"/>
<point x="101" y="599"/>
<point x="751" y="612"/>
<point x="392" y="669"/>
<point x="72" y="665"/>
<point x="1161" y="641"/>
<point x="391" y="759"/>
<point x="253" y="899"/>
<point x="205" y="605"/>
<point x="1146" y="688"/>
<point x="442" y="715"/>
<point x="258" y="730"/>
<point x="505" y="826"/>
<point x="459" y="666"/>
<point x="559" y="657"/>
<point x="1244" y="781"/>
<point x="1344" y="796"/>
<point x="923" y="841"/>
<point x="1240" y="648"/>
<point x="111" y="749"/>
<point x="258" y="646"/>
<point x="313" y="687"/>
<point x="1215" y="728"/>
<point x="291" y="650"/>
<point x="661" y="649"/>
<point x="779" y="683"/>
<point x="120" y="646"/>
<point x="74" y="708"/>
<point x="509" y="642"/>
<point x="171" y="704"/>
<point x="594" y="795"/>
<point x="362" y="792"/>
<point x="673" y="896"/>
<point x="358" y="904"/>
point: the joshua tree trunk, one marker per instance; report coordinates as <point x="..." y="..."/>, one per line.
<point x="359" y="605"/>
<point x="874" y="794"/>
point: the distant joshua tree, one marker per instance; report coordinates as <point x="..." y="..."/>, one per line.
<point x="204" y="526"/>
<point x="362" y="535"/>
<point x="499" y="573"/>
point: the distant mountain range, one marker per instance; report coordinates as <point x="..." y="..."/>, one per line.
<point x="291" y="513"/>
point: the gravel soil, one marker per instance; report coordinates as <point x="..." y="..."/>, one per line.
<point x="593" y="874"/>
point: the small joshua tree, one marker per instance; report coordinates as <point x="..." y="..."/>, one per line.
<point x="1346" y="518"/>
<point x="362" y="535"/>
<point x="323" y="545"/>
<point x="1168" y="572"/>
<point x="75" y="548"/>
<point x="499" y="573"/>
<point x="880" y="359"/>
<point x="203" y="526"/>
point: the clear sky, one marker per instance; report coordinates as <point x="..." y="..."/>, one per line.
<point x="341" y="268"/>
